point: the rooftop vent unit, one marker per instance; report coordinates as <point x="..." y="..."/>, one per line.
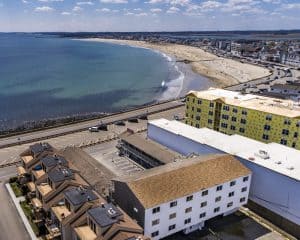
<point x="111" y="211"/>
<point x="278" y="162"/>
<point x="290" y="168"/>
<point x="262" y="154"/>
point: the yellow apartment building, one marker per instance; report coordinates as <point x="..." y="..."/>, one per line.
<point x="261" y="118"/>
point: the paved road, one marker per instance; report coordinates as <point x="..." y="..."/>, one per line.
<point x="11" y="226"/>
<point x="39" y="135"/>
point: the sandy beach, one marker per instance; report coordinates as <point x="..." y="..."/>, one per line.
<point x="224" y="72"/>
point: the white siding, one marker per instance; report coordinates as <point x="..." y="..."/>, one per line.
<point x="182" y="205"/>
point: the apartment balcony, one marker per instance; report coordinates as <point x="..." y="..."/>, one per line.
<point x="53" y="230"/>
<point x="31" y="190"/>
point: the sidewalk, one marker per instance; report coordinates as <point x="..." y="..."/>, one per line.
<point x="16" y="202"/>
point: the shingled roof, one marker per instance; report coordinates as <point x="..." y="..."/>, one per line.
<point x="168" y="182"/>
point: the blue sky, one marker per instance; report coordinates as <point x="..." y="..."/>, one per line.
<point x="148" y="15"/>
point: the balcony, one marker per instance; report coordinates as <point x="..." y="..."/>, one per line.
<point x="53" y="230"/>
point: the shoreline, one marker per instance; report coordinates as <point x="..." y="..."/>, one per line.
<point x="223" y="72"/>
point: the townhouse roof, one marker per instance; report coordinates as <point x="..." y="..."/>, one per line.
<point x="40" y="147"/>
<point x="276" y="157"/>
<point x="54" y="160"/>
<point x="105" y="215"/>
<point x="60" y="174"/>
<point x="150" y="147"/>
<point x="79" y="195"/>
<point x="287" y="108"/>
<point x="175" y="180"/>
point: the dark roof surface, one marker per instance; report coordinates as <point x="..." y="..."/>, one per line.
<point x="60" y="174"/>
<point x="105" y="215"/>
<point x="40" y="147"/>
<point x="78" y="196"/>
<point x="52" y="161"/>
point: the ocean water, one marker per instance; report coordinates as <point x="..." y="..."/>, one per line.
<point x="48" y="77"/>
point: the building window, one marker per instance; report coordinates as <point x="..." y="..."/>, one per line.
<point x="189" y="209"/>
<point x="265" y="137"/>
<point x="173" y="204"/>
<point x="285" y="132"/>
<point x="243" y="121"/>
<point x="209" y="121"/>
<point x="187" y="106"/>
<point x="211" y="104"/>
<point x="193" y="100"/>
<point x="210" y="113"/>
<point x="244" y="112"/>
<point x="293" y="144"/>
<point x="233" y="119"/>
<point x="187" y="99"/>
<point x="198" y="118"/>
<point x="234" y="110"/>
<point x="232" y="183"/>
<point x="171" y="227"/>
<point x="198" y="110"/>
<point x="218" y="199"/>
<point x="224" y="125"/>
<point x="199" y="101"/>
<point x="242" y="130"/>
<point x="156" y="210"/>
<point x="197" y="125"/>
<point x="295" y="135"/>
<point x="155" y="222"/>
<point x="267" y="127"/>
<point x="245" y="179"/>
<point x="202" y="215"/>
<point x="230" y="204"/>
<point x="269" y="117"/>
<point x="193" y="108"/>
<point x="226" y="108"/>
<point x="217" y="209"/>
<point x="204" y="193"/>
<point x="244" y="189"/>
<point x="155" y="234"/>
<point x="231" y="194"/>
<point x="232" y="127"/>
<point x="172" y="215"/>
<point x="283" y="142"/>
<point x="219" y="188"/>
<point x="243" y="199"/>
<point x="203" y="204"/>
<point x="187" y="221"/>
<point x="224" y="116"/>
<point x="189" y="198"/>
<point x="287" y="122"/>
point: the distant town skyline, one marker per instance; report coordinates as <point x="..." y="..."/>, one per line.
<point x="147" y="15"/>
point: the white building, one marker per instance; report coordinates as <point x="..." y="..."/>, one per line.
<point x="275" y="181"/>
<point x="183" y="195"/>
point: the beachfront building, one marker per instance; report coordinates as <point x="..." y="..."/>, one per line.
<point x="183" y="195"/>
<point x="275" y="184"/>
<point x="261" y="118"/>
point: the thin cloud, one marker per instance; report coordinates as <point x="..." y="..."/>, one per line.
<point x="114" y="1"/>
<point x="84" y="3"/>
<point x="44" y="9"/>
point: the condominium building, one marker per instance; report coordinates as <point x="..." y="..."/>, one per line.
<point x="261" y="118"/>
<point x="183" y="195"/>
<point x="275" y="183"/>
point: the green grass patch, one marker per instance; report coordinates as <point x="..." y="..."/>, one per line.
<point x="28" y="213"/>
<point x="17" y="189"/>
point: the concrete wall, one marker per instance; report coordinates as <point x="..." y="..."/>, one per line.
<point x="182" y="204"/>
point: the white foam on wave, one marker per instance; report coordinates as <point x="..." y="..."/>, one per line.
<point x="174" y="86"/>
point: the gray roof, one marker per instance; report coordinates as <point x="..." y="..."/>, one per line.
<point x="52" y="161"/>
<point x="60" y="174"/>
<point x="105" y="215"/>
<point x="78" y="196"/>
<point x="150" y="147"/>
<point x="40" y="147"/>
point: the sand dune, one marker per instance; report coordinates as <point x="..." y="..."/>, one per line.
<point x="223" y="71"/>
